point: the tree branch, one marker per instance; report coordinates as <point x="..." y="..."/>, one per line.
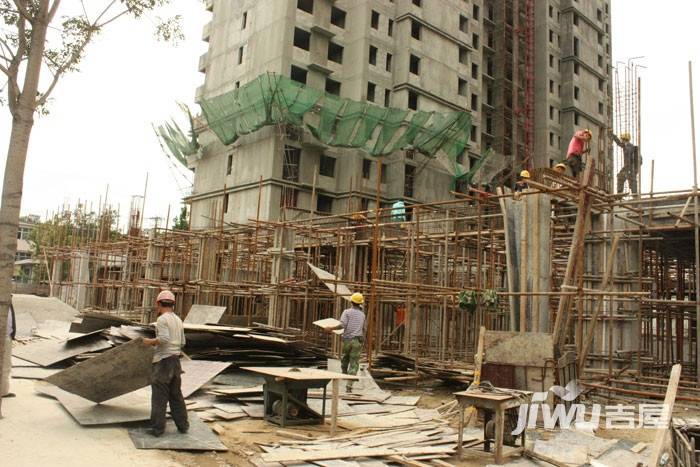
<point x="72" y="60"/>
<point x="22" y="10"/>
<point x="52" y="11"/>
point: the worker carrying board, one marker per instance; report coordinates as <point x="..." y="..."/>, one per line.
<point x="166" y="382"/>
<point x="631" y="160"/>
<point x="354" y="324"/>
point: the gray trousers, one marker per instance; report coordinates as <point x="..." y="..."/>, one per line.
<point x="165" y="388"/>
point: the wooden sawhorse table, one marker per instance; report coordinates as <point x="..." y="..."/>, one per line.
<point x="496" y="401"/>
<point x="283" y="383"/>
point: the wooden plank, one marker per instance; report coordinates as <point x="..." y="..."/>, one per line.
<point x="334" y="406"/>
<point x="478" y="361"/>
<point x="541" y="457"/>
<point x="298" y="374"/>
<point x="669" y="400"/>
<point x="349" y="453"/>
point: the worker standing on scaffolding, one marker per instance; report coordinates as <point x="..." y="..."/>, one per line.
<point x="578" y="146"/>
<point x="521" y="183"/>
<point x="353" y="324"/>
<point x="632" y="161"/>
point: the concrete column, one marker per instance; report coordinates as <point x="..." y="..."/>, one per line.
<point x="80" y="275"/>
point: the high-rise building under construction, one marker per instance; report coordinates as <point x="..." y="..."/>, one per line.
<point x="528" y="71"/>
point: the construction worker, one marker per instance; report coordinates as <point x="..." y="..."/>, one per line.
<point x="632" y="161"/>
<point x="398" y="211"/>
<point x="521" y="183"/>
<point x="353" y="324"/>
<point x="578" y="146"/>
<point x="560" y="168"/>
<point x="166" y="370"/>
<point x="7" y="361"/>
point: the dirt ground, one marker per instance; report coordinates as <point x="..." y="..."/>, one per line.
<point x="36" y="430"/>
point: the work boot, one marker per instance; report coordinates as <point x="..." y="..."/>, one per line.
<point x="155" y="433"/>
<point x="183" y="429"/>
<point x="9" y="394"/>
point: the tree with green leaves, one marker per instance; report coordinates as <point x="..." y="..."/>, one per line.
<point x="27" y="52"/>
<point x="181" y="222"/>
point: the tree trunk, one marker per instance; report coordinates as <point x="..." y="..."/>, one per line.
<point x="22" y="123"/>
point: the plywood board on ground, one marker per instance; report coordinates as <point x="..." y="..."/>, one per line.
<point x="204" y="314"/>
<point x="32" y="372"/>
<point x="132" y="407"/>
<point x="349" y="453"/>
<point x="402" y="400"/>
<point x="118" y="371"/>
<point x="199" y="372"/>
<point x="198" y="438"/>
<point x="48" y="352"/>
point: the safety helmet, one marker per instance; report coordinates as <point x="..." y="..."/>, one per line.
<point x="357" y="298"/>
<point x="524" y="174"/>
<point x="561" y="166"/>
<point x="165" y="296"/>
<point x="588" y="132"/>
<point x="625" y="136"/>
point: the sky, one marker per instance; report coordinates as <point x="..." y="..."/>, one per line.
<point x="98" y="139"/>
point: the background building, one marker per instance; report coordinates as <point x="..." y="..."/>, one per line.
<point x="528" y="71"/>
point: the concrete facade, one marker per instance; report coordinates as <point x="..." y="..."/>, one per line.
<point x="427" y="54"/>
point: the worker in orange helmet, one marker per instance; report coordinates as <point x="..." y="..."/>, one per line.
<point x="578" y="146"/>
<point x="166" y="370"/>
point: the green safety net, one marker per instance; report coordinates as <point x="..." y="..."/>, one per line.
<point x="272" y="99"/>
<point x="174" y="141"/>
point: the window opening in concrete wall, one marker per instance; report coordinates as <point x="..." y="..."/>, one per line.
<point x="372" y="55"/>
<point x="412" y="100"/>
<point x="461" y="87"/>
<point x="576" y="92"/>
<point x="385" y="171"/>
<point x="226" y="200"/>
<point x="390" y="28"/>
<point x="409" y="180"/>
<point x="475" y="40"/>
<point x="418" y="3"/>
<point x="576" y="46"/>
<point x="463" y="55"/>
<point x="290" y="164"/>
<point x="600" y="108"/>
<point x="244" y="20"/>
<point x="387" y="98"/>
<point x="335" y="52"/>
<point x="302" y="39"/>
<point x="298" y="74"/>
<point x="306" y="5"/>
<point x="229" y="164"/>
<point x="338" y="17"/>
<point x="414" y="65"/>
<point x="289" y="197"/>
<point x="371" y="88"/>
<point x="475" y="71"/>
<point x="463" y="24"/>
<point x="388" y="64"/>
<point x="332" y="86"/>
<point x="366" y="168"/>
<point x="576" y="68"/>
<point x="375" y="20"/>
<point x="474" y="133"/>
<point x="415" y="30"/>
<point x="475" y="102"/>
<point x="475" y="12"/>
<point x="240" y="55"/>
<point x="326" y="166"/>
<point x="324" y="204"/>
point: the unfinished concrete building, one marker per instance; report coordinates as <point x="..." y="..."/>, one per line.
<point x="494" y="59"/>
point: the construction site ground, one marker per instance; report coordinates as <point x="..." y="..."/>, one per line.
<point x="38" y="431"/>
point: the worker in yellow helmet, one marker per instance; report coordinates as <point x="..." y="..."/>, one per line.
<point x="632" y="161"/>
<point x="521" y="183"/>
<point x="354" y="324"/>
<point x="560" y="168"/>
